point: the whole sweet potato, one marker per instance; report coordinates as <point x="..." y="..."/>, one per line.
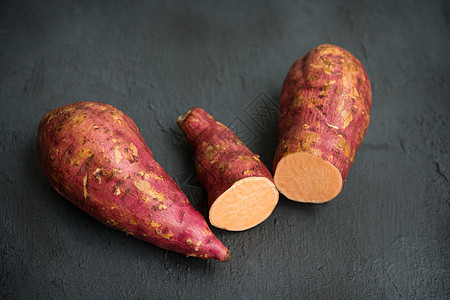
<point x="323" y="117"/>
<point x="94" y="155"/>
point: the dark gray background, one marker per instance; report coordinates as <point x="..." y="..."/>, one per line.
<point x="385" y="236"/>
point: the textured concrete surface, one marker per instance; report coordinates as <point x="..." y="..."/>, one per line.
<point x="387" y="235"/>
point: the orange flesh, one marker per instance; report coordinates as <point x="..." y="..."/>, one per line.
<point x="247" y="203"/>
<point x="305" y="177"/>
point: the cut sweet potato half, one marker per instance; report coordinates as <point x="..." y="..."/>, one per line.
<point x="241" y="191"/>
<point x="323" y="117"/>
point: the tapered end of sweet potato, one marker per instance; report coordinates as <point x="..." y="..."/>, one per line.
<point x="194" y="122"/>
<point x="183" y="117"/>
<point x="223" y="256"/>
<point x="227" y="257"/>
<point x="218" y="251"/>
<point x="197" y="240"/>
<point x="305" y="177"/>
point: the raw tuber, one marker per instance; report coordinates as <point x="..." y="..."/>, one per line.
<point x="323" y="117"/>
<point x="94" y="155"/>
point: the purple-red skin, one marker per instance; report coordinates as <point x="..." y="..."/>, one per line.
<point x="324" y="107"/>
<point x="221" y="158"/>
<point x="94" y="155"/>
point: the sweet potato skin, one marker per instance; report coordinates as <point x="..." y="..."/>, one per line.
<point x="324" y="107"/>
<point x="221" y="158"/>
<point x="94" y="155"/>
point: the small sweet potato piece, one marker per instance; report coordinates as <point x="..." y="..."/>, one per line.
<point x="323" y="117"/>
<point x="241" y="192"/>
<point x="94" y="155"/>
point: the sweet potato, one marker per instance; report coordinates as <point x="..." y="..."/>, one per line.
<point x="323" y="117"/>
<point x="241" y="192"/>
<point x="94" y="155"/>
